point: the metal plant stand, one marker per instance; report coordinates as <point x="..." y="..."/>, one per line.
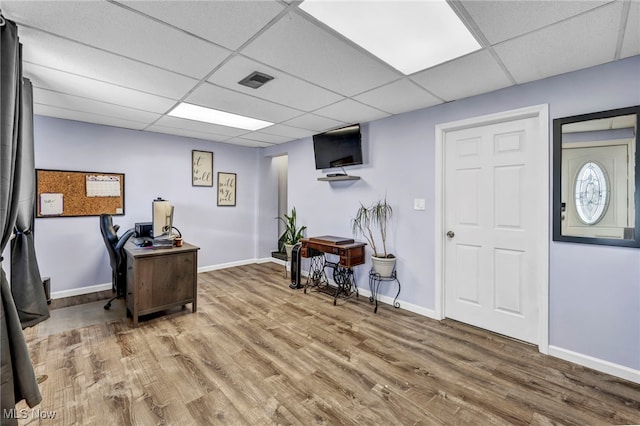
<point x="374" y="285"/>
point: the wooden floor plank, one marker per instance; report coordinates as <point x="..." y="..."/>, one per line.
<point x="260" y="353"/>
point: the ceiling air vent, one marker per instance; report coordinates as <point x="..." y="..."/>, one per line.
<point x="255" y="80"/>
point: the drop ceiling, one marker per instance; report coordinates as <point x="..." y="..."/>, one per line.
<point x="128" y="63"/>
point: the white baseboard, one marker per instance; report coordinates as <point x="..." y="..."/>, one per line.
<point x="596" y="364"/>
<point x="420" y="310"/>
<point x="107" y="286"/>
<point x="388" y="300"/>
<point x="80" y="291"/>
<point x="228" y="265"/>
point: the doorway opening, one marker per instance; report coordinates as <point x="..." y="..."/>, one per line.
<point x="281" y="164"/>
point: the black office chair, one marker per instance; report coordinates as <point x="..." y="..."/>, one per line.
<point x="117" y="257"/>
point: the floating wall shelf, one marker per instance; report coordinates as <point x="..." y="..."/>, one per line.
<point x="337" y="178"/>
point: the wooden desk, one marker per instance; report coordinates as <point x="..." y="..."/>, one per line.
<point x="350" y="254"/>
<point x="160" y="278"/>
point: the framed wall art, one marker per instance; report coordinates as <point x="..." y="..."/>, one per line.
<point x="201" y="168"/>
<point x="226" y="189"/>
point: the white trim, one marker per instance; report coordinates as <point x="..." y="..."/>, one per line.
<point x="596" y="364"/>
<point x="542" y="113"/>
<point x="272" y="259"/>
<point x="388" y="300"/>
<point x="102" y="287"/>
<point x="80" y="291"/>
<point x="230" y="264"/>
<point x="420" y="310"/>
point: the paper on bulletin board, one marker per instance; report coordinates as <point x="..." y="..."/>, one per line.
<point x="51" y="204"/>
<point x="103" y="186"/>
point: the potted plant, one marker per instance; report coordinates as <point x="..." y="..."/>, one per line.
<point x="377" y="215"/>
<point x="292" y="234"/>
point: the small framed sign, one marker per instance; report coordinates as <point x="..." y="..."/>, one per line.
<point x="226" y="189"/>
<point x="201" y="168"/>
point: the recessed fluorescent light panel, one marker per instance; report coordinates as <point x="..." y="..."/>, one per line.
<point x="208" y="115"/>
<point x="409" y="35"/>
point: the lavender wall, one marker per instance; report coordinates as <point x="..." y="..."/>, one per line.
<point x="71" y="250"/>
<point x="594" y="302"/>
<point x="594" y="291"/>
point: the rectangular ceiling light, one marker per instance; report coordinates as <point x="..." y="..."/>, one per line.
<point x="208" y="115"/>
<point x="408" y="35"/>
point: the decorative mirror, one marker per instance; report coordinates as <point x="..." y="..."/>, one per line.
<point x="596" y="190"/>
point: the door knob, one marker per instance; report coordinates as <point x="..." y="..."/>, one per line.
<point x="450" y="234"/>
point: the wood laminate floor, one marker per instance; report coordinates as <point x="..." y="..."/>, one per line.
<point x="259" y="353"/>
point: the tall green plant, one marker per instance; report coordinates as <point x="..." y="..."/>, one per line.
<point x="292" y="234"/>
<point x="377" y="215"/>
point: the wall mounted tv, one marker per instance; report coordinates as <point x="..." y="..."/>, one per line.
<point x="338" y="148"/>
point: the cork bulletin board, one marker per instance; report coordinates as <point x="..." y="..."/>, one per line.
<point x="65" y="193"/>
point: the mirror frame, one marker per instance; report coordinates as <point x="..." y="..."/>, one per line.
<point x="557" y="184"/>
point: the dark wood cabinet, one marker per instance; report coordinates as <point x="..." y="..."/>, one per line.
<point x="160" y="278"/>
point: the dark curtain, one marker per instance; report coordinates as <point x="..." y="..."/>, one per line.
<point x="26" y="282"/>
<point x="17" y="378"/>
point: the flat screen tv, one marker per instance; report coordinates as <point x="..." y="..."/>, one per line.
<point x="338" y="148"/>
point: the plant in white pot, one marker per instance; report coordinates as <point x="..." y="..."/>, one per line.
<point x="292" y="234"/>
<point x="377" y="215"/>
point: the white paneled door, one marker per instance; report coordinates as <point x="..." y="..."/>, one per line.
<point x="491" y="217"/>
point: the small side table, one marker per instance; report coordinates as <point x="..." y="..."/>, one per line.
<point x="374" y="285"/>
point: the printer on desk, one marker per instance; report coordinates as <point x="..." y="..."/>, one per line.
<point x="143" y="237"/>
<point x="143" y="229"/>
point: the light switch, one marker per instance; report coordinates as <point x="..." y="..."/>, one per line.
<point x="418" y="204"/>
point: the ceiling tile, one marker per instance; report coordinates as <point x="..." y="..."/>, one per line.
<point x="231" y="101"/>
<point x="470" y="75"/>
<point x="502" y="20"/>
<point x="119" y="30"/>
<point x="398" y="97"/>
<point x="249" y="142"/>
<point x="313" y="54"/>
<point x="265" y="138"/>
<point x="283" y="89"/>
<point x="314" y="122"/>
<point x="188" y="133"/>
<point x="552" y="51"/>
<point x="58" y="81"/>
<point x="75" y="103"/>
<point x="86" y="117"/>
<point x="128" y="62"/>
<point x="43" y="49"/>
<point x="199" y="126"/>
<point x="351" y="111"/>
<point x="631" y="41"/>
<point x="286" y="131"/>
<point x="235" y="21"/>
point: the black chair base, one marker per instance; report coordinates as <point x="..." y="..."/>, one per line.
<point x="108" y="305"/>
